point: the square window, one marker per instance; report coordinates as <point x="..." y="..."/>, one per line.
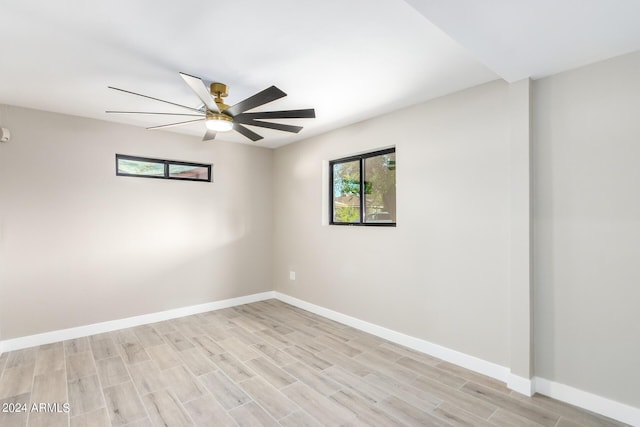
<point x="363" y="189"/>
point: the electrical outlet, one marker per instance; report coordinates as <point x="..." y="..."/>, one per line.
<point x="292" y="275"/>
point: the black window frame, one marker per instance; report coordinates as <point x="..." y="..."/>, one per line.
<point x="361" y="158"/>
<point x="166" y="163"/>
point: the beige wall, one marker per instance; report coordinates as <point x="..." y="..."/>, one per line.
<point x="79" y="245"/>
<point x="442" y="274"/>
<point x="587" y="228"/>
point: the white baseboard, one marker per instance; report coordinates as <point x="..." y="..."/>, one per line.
<point x="521" y="384"/>
<point x="589" y="401"/>
<point x="525" y="386"/>
<point x="461" y="359"/>
<point x="112" y="325"/>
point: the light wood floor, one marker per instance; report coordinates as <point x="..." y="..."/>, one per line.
<point x="266" y="363"/>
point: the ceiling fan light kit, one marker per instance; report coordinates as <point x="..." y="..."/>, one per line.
<point x="219" y="122"/>
<point x="220" y="117"/>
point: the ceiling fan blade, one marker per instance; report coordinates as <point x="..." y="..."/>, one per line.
<point x="148" y="112"/>
<point x="277" y="126"/>
<point x="246" y="132"/>
<point x="155" y="99"/>
<point x="174" y="124"/>
<point x="197" y="85"/>
<point x="269" y="94"/>
<point x="209" y="135"/>
<point x="308" y="113"/>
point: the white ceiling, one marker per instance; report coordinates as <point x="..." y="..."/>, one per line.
<point x="349" y="59"/>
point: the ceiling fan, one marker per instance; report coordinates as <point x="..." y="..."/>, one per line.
<point x="219" y="117"/>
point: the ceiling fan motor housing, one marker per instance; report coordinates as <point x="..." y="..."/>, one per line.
<point x="219" y="91"/>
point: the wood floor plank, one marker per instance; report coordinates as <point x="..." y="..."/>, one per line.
<point x="506" y="418"/>
<point x="277" y="340"/>
<point x="97" y="418"/>
<point x="188" y="327"/>
<point x="16" y="418"/>
<point x="123" y="404"/>
<point x="270" y="372"/>
<point x="409" y="414"/>
<point x="197" y="362"/>
<point x="17" y="380"/>
<point x="165" y="409"/>
<point x="299" y="419"/>
<point x="147" y="377"/>
<point x="3" y="361"/>
<point x="178" y="341"/>
<point x="457" y="416"/>
<point x="143" y="422"/>
<point x="85" y="395"/>
<point x="238" y="348"/>
<point x="350" y="381"/>
<point x="206" y="411"/>
<point x="183" y="383"/>
<point x="326" y="411"/>
<point x="49" y="359"/>
<point x="251" y="414"/>
<point x="163" y="327"/>
<point x="268" y="397"/>
<point x="48" y="419"/>
<point x="475" y="377"/>
<point x="305" y="342"/>
<point x="148" y="336"/>
<point x="466" y="401"/>
<point x="164" y="355"/>
<point x="80" y="365"/>
<point x="247" y="337"/>
<point x="18" y="358"/>
<point x="408" y="352"/>
<point x="226" y="392"/>
<point x="503" y="401"/>
<point x="216" y="332"/>
<point x="373" y="347"/>
<point x="377" y="363"/>
<point x="274" y="354"/>
<point x="133" y="352"/>
<point x="346" y="363"/>
<point x="104" y="348"/>
<point x="50" y="387"/>
<point x="125" y="336"/>
<point x="319" y="381"/>
<point x="308" y="358"/>
<point x="112" y="371"/>
<point x="235" y="369"/>
<point x="366" y="412"/>
<point x="432" y="372"/>
<point x="568" y="412"/>
<point x="421" y="399"/>
<point x="208" y="346"/>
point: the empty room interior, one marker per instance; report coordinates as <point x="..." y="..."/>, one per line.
<point x="405" y="212"/>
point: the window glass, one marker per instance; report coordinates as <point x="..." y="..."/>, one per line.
<point x="346" y="192"/>
<point x="188" y="172"/>
<point x="380" y="188"/>
<point x="140" y="167"/>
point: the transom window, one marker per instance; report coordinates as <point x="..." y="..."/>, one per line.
<point x="363" y="189"/>
<point x="166" y="169"/>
